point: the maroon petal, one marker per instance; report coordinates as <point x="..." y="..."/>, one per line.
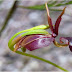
<point x="49" y="19"/>
<point x="58" y="22"/>
<point x="70" y="46"/>
<point x="33" y="42"/>
<point x="69" y="41"/>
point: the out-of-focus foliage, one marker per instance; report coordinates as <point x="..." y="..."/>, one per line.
<point x="50" y="5"/>
<point x="11" y="11"/>
<point x="1" y="1"/>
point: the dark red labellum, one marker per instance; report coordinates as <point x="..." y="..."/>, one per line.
<point x="33" y="42"/>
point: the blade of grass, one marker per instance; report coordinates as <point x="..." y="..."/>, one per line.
<point x="61" y="4"/>
<point x="39" y="7"/>
<point x="55" y="9"/>
<point x="9" y="16"/>
<point x="50" y="4"/>
<point x="36" y="7"/>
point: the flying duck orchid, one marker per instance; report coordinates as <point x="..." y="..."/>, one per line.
<point x="37" y="37"/>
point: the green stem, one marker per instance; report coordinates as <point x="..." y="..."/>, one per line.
<point x="39" y="58"/>
<point x="28" y="32"/>
<point x="11" y="11"/>
<point x="44" y="60"/>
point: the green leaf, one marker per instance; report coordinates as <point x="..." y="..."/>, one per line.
<point x="66" y="3"/>
<point x="10" y="13"/>
<point x="39" y="7"/>
<point x="36" y="7"/>
<point x="50" y="5"/>
<point x="1" y="1"/>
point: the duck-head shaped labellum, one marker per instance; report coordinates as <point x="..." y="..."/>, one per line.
<point x="33" y="42"/>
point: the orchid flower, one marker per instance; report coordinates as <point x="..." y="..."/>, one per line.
<point x="37" y="37"/>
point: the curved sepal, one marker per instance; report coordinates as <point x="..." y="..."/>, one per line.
<point x="49" y="19"/>
<point x="58" y="22"/>
<point x="23" y="31"/>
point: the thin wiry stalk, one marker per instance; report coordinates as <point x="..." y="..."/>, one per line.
<point x="29" y="55"/>
<point x="9" y="16"/>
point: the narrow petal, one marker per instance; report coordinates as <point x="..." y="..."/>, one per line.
<point x="33" y="42"/>
<point x="70" y="46"/>
<point x="69" y="41"/>
<point x="58" y="22"/>
<point x="49" y="19"/>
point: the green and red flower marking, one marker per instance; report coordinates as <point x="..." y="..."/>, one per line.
<point x="37" y="37"/>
